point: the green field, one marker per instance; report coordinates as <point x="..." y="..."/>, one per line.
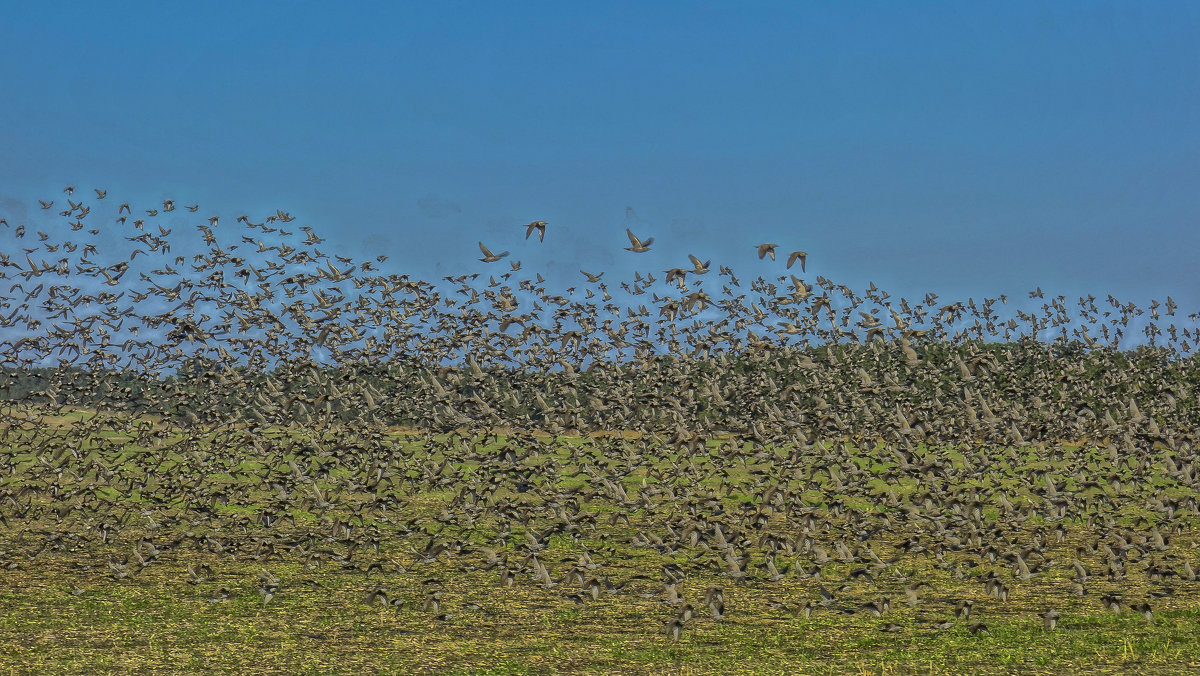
<point x="101" y="532"/>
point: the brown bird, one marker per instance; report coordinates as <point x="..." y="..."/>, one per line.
<point x="488" y="256"/>
<point x="1050" y="619"/>
<point x="638" y="245"/>
<point x="801" y="256"/>
<point x="540" y="226"/>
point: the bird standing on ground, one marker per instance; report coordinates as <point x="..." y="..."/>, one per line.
<point x="1050" y="619"/>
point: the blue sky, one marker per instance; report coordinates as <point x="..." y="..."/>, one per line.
<point x="970" y="149"/>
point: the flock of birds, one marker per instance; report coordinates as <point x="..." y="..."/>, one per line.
<point x="249" y="397"/>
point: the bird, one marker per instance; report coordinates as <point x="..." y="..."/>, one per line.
<point x="801" y="256"/>
<point x="673" y="597"/>
<point x="382" y="596"/>
<point x="268" y="586"/>
<point x="1144" y="609"/>
<point x="432" y="602"/>
<point x="766" y="250"/>
<point x="912" y="592"/>
<point x="488" y="256"/>
<point x="827" y="597"/>
<point x="198" y="575"/>
<point x="540" y="226"/>
<point x="1050" y="619"/>
<point x="637" y="245"/>
<point x="686" y="613"/>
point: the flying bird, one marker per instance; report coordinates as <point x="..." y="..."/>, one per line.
<point x="540" y="226"/>
<point x="766" y="250"/>
<point x="488" y="256"/>
<point x="796" y="256"/>
<point x="639" y="246"/>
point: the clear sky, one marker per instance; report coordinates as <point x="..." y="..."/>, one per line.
<point x="966" y="148"/>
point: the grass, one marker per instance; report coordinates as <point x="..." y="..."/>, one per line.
<point x="327" y="558"/>
<point x="158" y="623"/>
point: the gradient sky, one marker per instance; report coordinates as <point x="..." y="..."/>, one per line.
<point x="970" y="149"/>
